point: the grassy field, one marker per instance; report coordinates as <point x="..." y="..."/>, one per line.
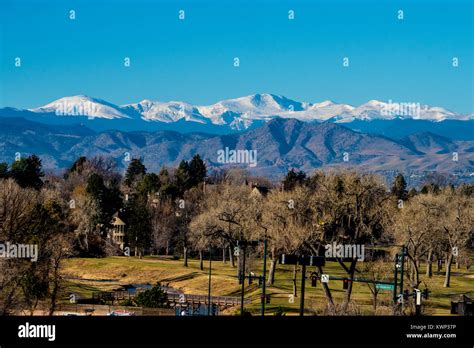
<point x="83" y="276"/>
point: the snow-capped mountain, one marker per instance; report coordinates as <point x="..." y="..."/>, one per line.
<point x="256" y="106"/>
<point x="167" y="112"/>
<point x="246" y="112"/>
<point x="81" y="105"/>
<point x="249" y="112"/>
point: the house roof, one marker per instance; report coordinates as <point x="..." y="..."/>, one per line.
<point x="261" y="190"/>
<point x="117" y="221"/>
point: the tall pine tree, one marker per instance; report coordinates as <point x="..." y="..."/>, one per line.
<point x="197" y="171"/>
<point x="28" y="172"/>
<point x="399" y="187"/>
<point x="135" y="172"/>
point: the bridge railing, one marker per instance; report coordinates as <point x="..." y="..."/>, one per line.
<point x="220" y="300"/>
<point x="173" y="297"/>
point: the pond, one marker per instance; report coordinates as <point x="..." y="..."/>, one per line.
<point x="132" y="288"/>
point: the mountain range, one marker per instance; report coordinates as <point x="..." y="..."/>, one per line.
<point x="392" y="119"/>
<point x="280" y="144"/>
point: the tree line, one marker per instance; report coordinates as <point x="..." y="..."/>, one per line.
<point x="184" y="211"/>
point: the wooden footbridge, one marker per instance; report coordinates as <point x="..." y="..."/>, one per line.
<point x="174" y="298"/>
<point x="221" y="301"/>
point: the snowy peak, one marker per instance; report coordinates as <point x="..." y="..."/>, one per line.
<point x="256" y="106"/>
<point x="167" y="112"/>
<point x="266" y="102"/>
<point x="323" y="104"/>
<point x="82" y="105"/>
<point x="375" y="109"/>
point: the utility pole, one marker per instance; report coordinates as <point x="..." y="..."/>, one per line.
<point x="402" y="267"/>
<point x="209" y="286"/>
<point x="304" y="261"/>
<point x="243" y="281"/>
<point x="395" y="281"/>
<point x="264" y="299"/>
<point x="303" y="277"/>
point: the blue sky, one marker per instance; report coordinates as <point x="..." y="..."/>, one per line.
<point x="406" y="60"/>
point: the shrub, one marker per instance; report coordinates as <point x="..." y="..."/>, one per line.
<point x="128" y="302"/>
<point x="279" y="312"/>
<point x="152" y="298"/>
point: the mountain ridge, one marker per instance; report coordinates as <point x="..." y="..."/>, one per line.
<point x="260" y="106"/>
<point x="280" y="145"/>
<point x="246" y="113"/>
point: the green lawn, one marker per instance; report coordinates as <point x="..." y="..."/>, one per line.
<point x="84" y="276"/>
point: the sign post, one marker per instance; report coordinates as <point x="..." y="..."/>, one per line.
<point x="384" y="286"/>
<point x="303" y="277"/>
<point x="243" y="281"/>
<point x="264" y="298"/>
<point x="243" y="244"/>
<point x="402" y="268"/>
<point x="209" y="287"/>
<point x="395" y="280"/>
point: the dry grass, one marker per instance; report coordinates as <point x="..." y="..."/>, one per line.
<point x="86" y="275"/>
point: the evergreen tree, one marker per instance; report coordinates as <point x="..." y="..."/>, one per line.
<point x="3" y="170"/>
<point x="138" y="219"/>
<point x="412" y="193"/>
<point x="399" y="187"/>
<point x="164" y="176"/>
<point x="168" y="189"/>
<point x="96" y="189"/>
<point x="113" y="200"/>
<point x="467" y="189"/>
<point x="182" y="176"/>
<point x="135" y="171"/>
<point x="27" y="172"/>
<point x="149" y="184"/>
<point x="293" y="179"/>
<point x="109" y="200"/>
<point x="95" y="186"/>
<point x="430" y="188"/>
<point x="339" y="187"/>
<point x="197" y="171"/>
<point x="77" y="166"/>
